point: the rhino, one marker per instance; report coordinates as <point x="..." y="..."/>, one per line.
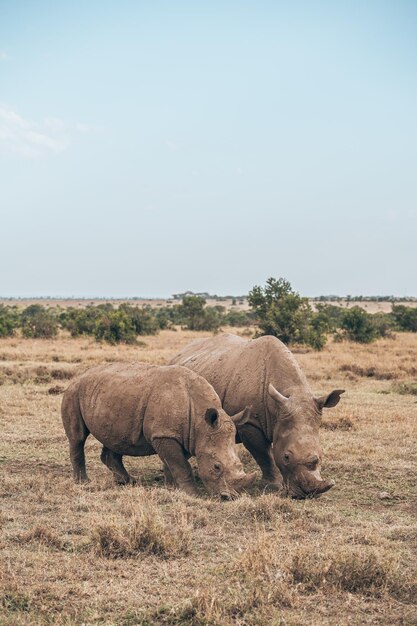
<point x="139" y="409"/>
<point x="282" y="433"/>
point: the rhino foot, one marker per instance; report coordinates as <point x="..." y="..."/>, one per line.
<point x="82" y="480"/>
<point x="274" y="487"/>
<point x="123" y="482"/>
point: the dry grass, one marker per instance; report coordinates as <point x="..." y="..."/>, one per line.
<point x="144" y="532"/>
<point x="100" y="554"/>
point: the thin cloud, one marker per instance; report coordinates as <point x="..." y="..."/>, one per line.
<point x="3" y="56"/>
<point x="34" y="140"/>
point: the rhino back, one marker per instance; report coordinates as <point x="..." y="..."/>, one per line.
<point x="241" y="370"/>
<point x="126" y="406"/>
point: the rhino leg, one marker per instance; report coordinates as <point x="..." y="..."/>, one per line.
<point x="172" y="455"/>
<point x="77" y="457"/>
<point x="114" y="462"/>
<point x="77" y="433"/>
<point x="169" y="479"/>
<point x="257" y="444"/>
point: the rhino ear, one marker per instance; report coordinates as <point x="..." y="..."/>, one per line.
<point x="241" y="418"/>
<point x="212" y="417"/>
<point x="276" y="395"/>
<point x="329" y="401"/>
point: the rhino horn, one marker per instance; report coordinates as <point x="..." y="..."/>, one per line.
<point x="276" y="395"/>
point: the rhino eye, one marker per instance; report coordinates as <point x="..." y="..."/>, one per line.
<point x="218" y="467"/>
<point x="312" y="465"/>
<point x="286" y="458"/>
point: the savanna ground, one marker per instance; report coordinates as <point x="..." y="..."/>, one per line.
<point x="101" y="554"/>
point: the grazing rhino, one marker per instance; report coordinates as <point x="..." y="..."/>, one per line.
<point x="262" y="373"/>
<point x="139" y="410"/>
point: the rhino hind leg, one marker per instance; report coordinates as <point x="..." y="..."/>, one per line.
<point x="77" y="433"/>
<point x="77" y="457"/>
<point x="259" y="447"/>
<point x="169" y="479"/>
<point x="114" y="462"/>
<point x="172" y="455"/>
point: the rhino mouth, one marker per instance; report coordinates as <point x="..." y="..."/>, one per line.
<point x="243" y="482"/>
<point x="229" y="494"/>
<point x="299" y="491"/>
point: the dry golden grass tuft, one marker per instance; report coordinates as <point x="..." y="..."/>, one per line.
<point x="264" y="508"/>
<point x="145" y="532"/>
<point x="41" y="534"/>
<point x="98" y="554"/>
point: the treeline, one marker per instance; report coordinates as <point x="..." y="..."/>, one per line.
<point x="282" y="312"/>
<point x="362" y="299"/>
<point x="125" y="323"/>
<point x="275" y="309"/>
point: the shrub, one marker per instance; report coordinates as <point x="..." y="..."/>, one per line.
<point x="405" y="317"/>
<point x="238" y="318"/>
<point x="115" y="327"/>
<point x="38" y="321"/>
<point x="83" y="321"/>
<point x="357" y="325"/>
<point x="283" y="313"/>
<point x="197" y="316"/>
<point x="109" y="324"/>
<point x="9" y="321"/>
<point x="143" y="320"/>
<point x="384" y="324"/>
<point x="332" y="314"/>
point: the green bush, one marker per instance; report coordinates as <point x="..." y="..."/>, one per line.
<point x="283" y="313"/>
<point x="331" y="314"/>
<point x="115" y="327"/>
<point x="238" y="318"/>
<point x="38" y="321"/>
<point x="9" y="321"/>
<point x="196" y="316"/>
<point x="357" y="325"/>
<point x="109" y="324"/>
<point x="405" y="317"/>
<point x="384" y="324"/>
<point x="83" y="321"/>
<point x="143" y="320"/>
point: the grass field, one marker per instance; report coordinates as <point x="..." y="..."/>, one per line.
<point x="100" y="554"/>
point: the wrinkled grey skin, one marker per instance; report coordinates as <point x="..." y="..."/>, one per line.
<point x="282" y="433"/>
<point x="139" y="410"/>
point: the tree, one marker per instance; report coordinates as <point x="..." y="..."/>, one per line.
<point x="283" y="313"/>
<point x="358" y="325"/>
<point x="198" y="317"/>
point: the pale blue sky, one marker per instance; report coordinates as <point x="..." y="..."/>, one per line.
<point x="147" y="148"/>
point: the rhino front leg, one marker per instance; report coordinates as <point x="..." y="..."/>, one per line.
<point x="257" y="444"/>
<point x="114" y="462"/>
<point x="176" y="467"/>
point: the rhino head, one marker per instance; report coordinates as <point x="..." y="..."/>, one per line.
<point x="296" y="446"/>
<point x="219" y="466"/>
